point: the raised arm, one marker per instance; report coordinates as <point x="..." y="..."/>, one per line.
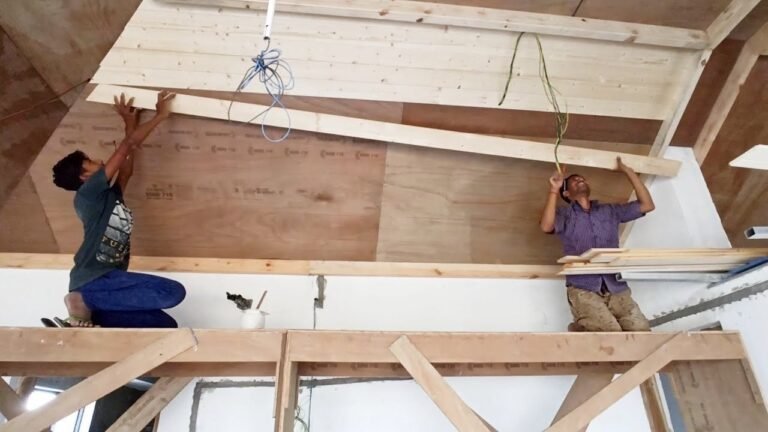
<point x="139" y="134"/>
<point x="131" y="117"/>
<point x="547" y="222"/>
<point x="643" y="196"/>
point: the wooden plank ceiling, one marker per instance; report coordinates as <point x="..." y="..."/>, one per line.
<point x="195" y="47"/>
<point x="207" y="188"/>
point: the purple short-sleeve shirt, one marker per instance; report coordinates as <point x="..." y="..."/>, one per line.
<point x="581" y="230"/>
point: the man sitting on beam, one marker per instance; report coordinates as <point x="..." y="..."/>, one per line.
<point x="102" y="292"/>
<point x="598" y="302"/>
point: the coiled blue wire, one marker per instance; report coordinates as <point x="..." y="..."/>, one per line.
<point x="276" y="76"/>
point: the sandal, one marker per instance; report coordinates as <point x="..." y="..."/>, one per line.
<point x="70" y="319"/>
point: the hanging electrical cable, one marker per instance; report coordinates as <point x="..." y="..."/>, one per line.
<point x="561" y="117"/>
<point x="273" y="73"/>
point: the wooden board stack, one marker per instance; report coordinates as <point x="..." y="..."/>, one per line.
<point x="598" y="261"/>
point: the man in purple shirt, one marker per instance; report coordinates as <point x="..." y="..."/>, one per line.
<point x="598" y="302"/>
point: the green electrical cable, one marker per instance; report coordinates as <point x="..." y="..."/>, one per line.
<point x="561" y="117"/>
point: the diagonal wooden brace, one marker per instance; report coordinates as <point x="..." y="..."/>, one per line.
<point x="430" y="380"/>
<point x="592" y="407"/>
<point x="103" y="383"/>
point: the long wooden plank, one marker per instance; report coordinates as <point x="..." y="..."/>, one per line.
<point x="728" y="19"/>
<point x="38" y="345"/>
<point x="482" y="18"/>
<point x="654" y="406"/>
<point x="754" y="158"/>
<point x="433" y="384"/>
<point x="170" y="369"/>
<point x="600" y="269"/>
<point x="584" y="387"/>
<point x="102" y="383"/>
<point x="287" y="390"/>
<point x="297" y="267"/>
<point x="397" y="133"/>
<point x="373" y="347"/>
<point x="581" y="416"/>
<point x="149" y="405"/>
<point x="730" y="91"/>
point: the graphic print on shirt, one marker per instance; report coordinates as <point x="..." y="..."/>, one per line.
<point x="116" y="241"/>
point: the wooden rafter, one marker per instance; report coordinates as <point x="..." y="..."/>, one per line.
<point x="645" y="369"/>
<point x="394" y="132"/>
<point x="749" y="54"/>
<point x="728" y="19"/>
<point x="430" y="380"/>
<point x="149" y="405"/>
<point x="102" y="383"/>
<point x="481" y="18"/>
<point x="297" y="267"/>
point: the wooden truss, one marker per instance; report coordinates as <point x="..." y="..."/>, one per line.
<point x="112" y="357"/>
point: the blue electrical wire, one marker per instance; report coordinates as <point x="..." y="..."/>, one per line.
<point x="276" y="76"/>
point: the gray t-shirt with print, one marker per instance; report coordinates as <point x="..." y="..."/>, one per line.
<point x="107" y="226"/>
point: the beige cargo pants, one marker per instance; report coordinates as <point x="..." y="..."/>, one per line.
<point x="606" y="312"/>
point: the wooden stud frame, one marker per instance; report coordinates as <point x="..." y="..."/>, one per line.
<point x="289" y="354"/>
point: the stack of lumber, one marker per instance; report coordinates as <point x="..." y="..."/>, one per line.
<point x="599" y="261"/>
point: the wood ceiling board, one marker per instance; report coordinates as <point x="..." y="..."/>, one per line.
<point x="738" y="193"/>
<point x="23" y="224"/>
<point x="333" y="60"/>
<point x="436" y="14"/>
<point x="469" y="208"/>
<point x="529" y="123"/>
<point x="693" y="14"/>
<point x="393" y="132"/>
<point x="65" y="40"/>
<point x="22" y="136"/>
<point x="207" y="188"/>
<point x="556" y="7"/>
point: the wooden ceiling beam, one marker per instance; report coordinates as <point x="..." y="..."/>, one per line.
<point x="746" y="60"/>
<point x="481" y="18"/>
<point x="728" y="19"/>
<point x="393" y="132"/>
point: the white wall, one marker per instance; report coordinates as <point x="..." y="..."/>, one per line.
<point x="524" y="403"/>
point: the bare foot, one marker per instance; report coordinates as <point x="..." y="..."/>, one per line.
<point x="79" y="314"/>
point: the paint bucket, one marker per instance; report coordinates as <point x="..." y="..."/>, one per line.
<point x="253" y="319"/>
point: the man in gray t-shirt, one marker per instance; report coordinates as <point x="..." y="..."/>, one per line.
<point x="102" y="291"/>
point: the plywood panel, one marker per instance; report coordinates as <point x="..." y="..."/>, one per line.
<point x="694" y="14"/>
<point x="22" y="136"/>
<point x="335" y="57"/>
<point x="739" y="193"/>
<point x="65" y="39"/>
<point x="453" y="207"/>
<point x="709" y="86"/>
<point x="208" y="188"/>
<point x="716" y="396"/>
<point x="23" y="223"/>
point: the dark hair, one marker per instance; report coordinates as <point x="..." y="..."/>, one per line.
<point x="66" y="172"/>
<point x="565" y="188"/>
